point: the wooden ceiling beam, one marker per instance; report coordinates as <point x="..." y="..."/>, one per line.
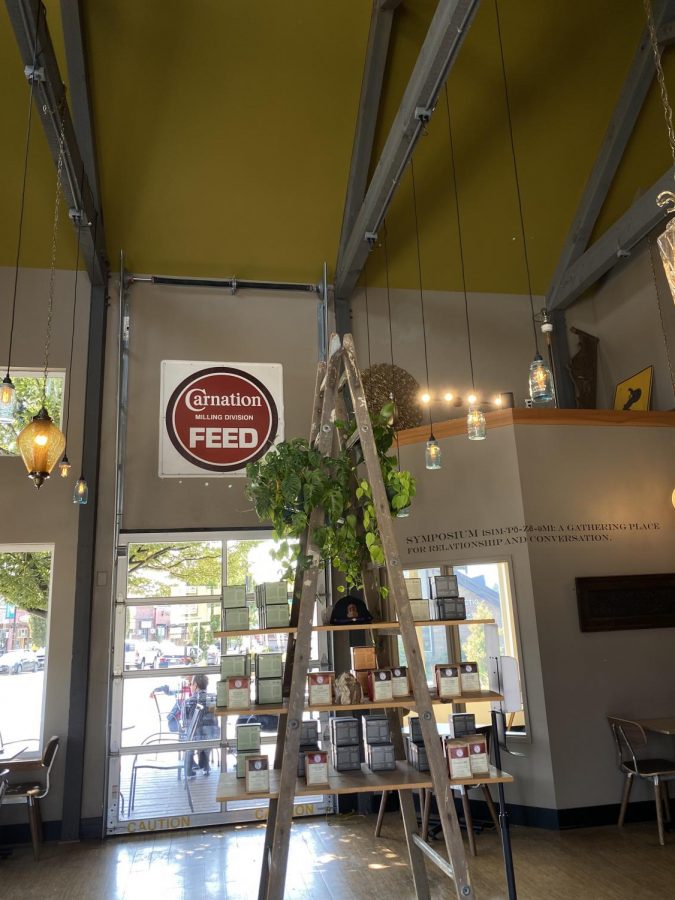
<point x="614" y="245"/>
<point x="621" y="126"/>
<point x="441" y="45"/>
<point x="381" y="20"/>
<point x="50" y="100"/>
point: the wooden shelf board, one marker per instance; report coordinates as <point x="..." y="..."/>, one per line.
<point x="399" y="703"/>
<point x="372" y="626"/>
<point x="403" y="778"/>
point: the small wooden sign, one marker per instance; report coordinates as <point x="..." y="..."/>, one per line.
<point x="363" y="658"/>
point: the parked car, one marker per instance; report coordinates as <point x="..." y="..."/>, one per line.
<point x="212" y="655"/>
<point x="267" y="722"/>
<point x="173" y="655"/>
<point x="14" y="662"/>
<point x="132" y="658"/>
<point x="41" y="652"/>
<point x="141" y="654"/>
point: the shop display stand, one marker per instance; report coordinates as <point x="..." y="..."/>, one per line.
<point x="341" y="373"/>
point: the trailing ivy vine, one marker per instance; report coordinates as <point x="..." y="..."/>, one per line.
<point x="294" y="478"/>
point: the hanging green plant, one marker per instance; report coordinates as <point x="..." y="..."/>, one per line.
<point x="294" y="478"/>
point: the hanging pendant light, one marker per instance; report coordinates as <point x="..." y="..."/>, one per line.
<point x="432" y="454"/>
<point x="41" y="442"/>
<point x="64" y="465"/>
<point x="81" y="492"/>
<point x="541" y="379"/>
<point x="666" y="199"/>
<point x="476" y="426"/>
<point x="7" y="389"/>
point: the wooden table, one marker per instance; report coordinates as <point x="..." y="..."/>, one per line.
<point x="664" y="725"/>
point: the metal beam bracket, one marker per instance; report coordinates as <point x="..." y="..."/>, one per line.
<point x="34" y="73"/>
<point x="371" y="238"/>
<point x="424" y="113"/>
<point x="78" y="217"/>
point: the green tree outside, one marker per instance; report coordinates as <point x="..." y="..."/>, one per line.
<point x="24" y="582"/>
<point x="28" y="403"/>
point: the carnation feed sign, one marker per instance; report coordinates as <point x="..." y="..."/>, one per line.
<point x="217" y="417"/>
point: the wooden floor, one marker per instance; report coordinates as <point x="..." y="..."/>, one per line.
<point x="337" y="858"/>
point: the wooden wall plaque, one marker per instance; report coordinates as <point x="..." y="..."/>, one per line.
<point x="622" y="602"/>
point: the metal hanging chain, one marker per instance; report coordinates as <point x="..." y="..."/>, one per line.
<point x="515" y="171"/>
<point x="419" y="271"/>
<point x="459" y="232"/>
<point x="392" y="395"/>
<point x="52" y="274"/>
<point x="663" y="326"/>
<point x="72" y="331"/>
<point x="667" y="111"/>
<point x="22" y="205"/>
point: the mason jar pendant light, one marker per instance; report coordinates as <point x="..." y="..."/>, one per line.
<point x="7" y="389"/>
<point x="541" y="378"/>
<point x="666" y="199"/>
<point x="81" y="492"/>
<point x="476" y="426"/>
<point x="432" y="453"/>
<point x="41" y="442"/>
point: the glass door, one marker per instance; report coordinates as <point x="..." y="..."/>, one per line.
<point x="167" y="746"/>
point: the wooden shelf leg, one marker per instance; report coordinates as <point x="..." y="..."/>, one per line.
<point x="380" y="814"/>
<point x="468" y="820"/>
<point x="267" y="848"/>
<point x="425" y="801"/>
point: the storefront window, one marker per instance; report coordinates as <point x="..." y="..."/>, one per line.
<point x="25" y="579"/>
<point x="28" y="402"/>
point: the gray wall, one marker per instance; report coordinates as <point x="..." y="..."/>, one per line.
<point x="47" y="516"/>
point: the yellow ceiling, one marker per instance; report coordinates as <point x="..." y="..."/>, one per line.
<point x="224" y="134"/>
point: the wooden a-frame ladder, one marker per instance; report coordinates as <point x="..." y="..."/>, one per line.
<point x="340" y="373"/>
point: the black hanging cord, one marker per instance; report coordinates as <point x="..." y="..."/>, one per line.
<point x="419" y="271"/>
<point x="391" y="338"/>
<point x="459" y="232"/>
<point x="365" y="285"/>
<point x="72" y="333"/>
<point x="515" y="170"/>
<point x="23" y="184"/>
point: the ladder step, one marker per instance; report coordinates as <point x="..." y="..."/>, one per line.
<point x="354" y="438"/>
<point x="435" y="857"/>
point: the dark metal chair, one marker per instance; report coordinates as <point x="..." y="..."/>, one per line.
<point x="34" y="789"/>
<point x="629" y="736"/>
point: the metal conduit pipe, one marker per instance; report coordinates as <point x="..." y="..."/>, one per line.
<point x="232" y="283"/>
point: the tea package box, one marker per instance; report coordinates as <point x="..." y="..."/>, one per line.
<point x="478" y="754"/>
<point x="469" y="679"/>
<point x="248" y="737"/>
<point x="460" y="724"/>
<point x="459" y="763"/>
<point x="234" y="596"/>
<point x="447" y="681"/>
<point x="269" y="665"/>
<point x="268" y="690"/>
<point x="399" y="682"/>
<point x="376" y="730"/>
<point x="449" y="608"/>
<point x="344" y="730"/>
<point x="444" y="586"/>
<point x="235" y="664"/>
<point x="414" y="588"/>
<point x="316" y="767"/>
<point x="379" y="685"/>
<point x="420" y="610"/>
<point x="320" y="688"/>
<point x="236" y="619"/>
<point x="381" y="757"/>
<point x="257" y="774"/>
<point x="237" y="692"/>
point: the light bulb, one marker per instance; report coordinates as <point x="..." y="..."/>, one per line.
<point x="541" y="381"/>
<point x="475" y="424"/>
<point x="7" y="401"/>
<point x="498" y="401"/>
<point x="447" y="397"/>
<point x="81" y="492"/>
<point x="41" y="440"/>
<point x="64" y="466"/>
<point x="425" y="398"/>
<point x="432" y="454"/>
<point x="472" y="399"/>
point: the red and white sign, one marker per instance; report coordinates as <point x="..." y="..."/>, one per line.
<point x="217" y="417"/>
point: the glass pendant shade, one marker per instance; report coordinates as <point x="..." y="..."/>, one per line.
<point x="403" y="513"/>
<point x="64" y="466"/>
<point x="432" y="454"/>
<point x="81" y="492"/>
<point x="475" y="424"/>
<point x="7" y="401"/>
<point x="40" y="444"/>
<point x="541" y="381"/>
<point x="666" y="243"/>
